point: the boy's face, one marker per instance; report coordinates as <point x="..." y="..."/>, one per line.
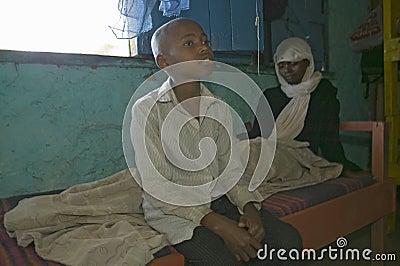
<point x="185" y="41"/>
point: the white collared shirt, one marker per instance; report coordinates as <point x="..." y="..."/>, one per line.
<point x="160" y="108"/>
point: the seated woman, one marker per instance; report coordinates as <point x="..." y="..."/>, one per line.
<point x="304" y="105"/>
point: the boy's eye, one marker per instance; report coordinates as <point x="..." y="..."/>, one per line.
<point x="188" y="43"/>
<point x="207" y="42"/>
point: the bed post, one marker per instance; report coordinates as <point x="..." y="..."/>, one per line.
<point x="379" y="150"/>
<point x="379" y="168"/>
<point x="379" y="171"/>
<point x="379" y="130"/>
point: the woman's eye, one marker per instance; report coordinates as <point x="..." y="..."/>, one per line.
<point x="289" y="64"/>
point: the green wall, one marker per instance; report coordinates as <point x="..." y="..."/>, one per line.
<point x="61" y="114"/>
<point x="61" y="124"/>
<point x="344" y="66"/>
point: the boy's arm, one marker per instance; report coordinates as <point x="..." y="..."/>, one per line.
<point x="228" y="152"/>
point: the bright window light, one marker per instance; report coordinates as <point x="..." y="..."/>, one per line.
<point x="67" y="26"/>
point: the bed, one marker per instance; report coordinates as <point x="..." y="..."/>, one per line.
<point x="342" y="205"/>
<point x="368" y="205"/>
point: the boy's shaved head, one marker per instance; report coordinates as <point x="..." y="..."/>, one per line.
<point x="158" y="40"/>
<point x="180" y="40"/>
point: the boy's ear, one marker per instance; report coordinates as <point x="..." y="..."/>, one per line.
<point x="161" y="61"/>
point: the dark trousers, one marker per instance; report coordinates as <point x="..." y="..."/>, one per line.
<point x="208" y="249"/>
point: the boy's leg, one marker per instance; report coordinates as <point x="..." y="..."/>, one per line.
<point x="278" y="235"/>
<point x="205" y="248"/>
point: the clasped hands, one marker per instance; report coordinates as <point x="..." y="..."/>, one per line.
<point x="243" y="238"/>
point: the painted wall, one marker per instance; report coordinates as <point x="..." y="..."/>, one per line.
<point x="61" y="124"/>
<point x="61" y="115"/>
<point x="344" y="66"/>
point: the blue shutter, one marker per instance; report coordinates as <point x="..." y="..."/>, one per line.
<point x="228" y="23"/>
<point x="221" y="25"/>
<point x="244" y="31"/>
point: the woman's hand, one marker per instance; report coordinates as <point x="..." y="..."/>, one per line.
<point x="239" y="241"/>
<point x="252" y="221"/>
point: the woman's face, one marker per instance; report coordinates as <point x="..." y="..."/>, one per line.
<point x="293" y="72"/>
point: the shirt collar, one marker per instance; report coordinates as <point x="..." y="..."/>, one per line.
<point x="166" y="94"/>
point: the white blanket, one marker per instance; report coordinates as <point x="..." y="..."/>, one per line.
<point x="101" y="222"/>
<point x="97" y="223"/>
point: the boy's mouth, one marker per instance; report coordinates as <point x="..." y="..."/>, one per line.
<point x="205" y="61"/>
<point x="208" y="57"/>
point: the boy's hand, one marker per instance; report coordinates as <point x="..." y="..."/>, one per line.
<point x="237" y="239"/>
<point x="252" y="221"/>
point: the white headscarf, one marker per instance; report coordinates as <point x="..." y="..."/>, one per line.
<point x="290" y="121"/>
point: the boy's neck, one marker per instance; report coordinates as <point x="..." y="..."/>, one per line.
<point x="187" y="90"/>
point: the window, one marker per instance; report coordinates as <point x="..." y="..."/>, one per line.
<point x="67" y="26"/>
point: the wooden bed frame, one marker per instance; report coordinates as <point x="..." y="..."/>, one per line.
<point x="324" y="223"/>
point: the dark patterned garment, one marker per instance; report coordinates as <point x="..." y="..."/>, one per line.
<point x="321" y="125"/>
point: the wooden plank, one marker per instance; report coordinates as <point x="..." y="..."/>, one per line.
<point x="220" y="25"/>
<point x="244" y="31"/>
<point x="324" y="223"/>
<point x="356" y="125"/>
<point x="391" y="13"/>
<point x="379" y="150"/>
<point x="379" y="144"/>
<point x="392" y="49"/>
<point x="199" y="12"/>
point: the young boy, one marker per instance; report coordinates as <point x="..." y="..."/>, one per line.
<point x="228" y="230"/>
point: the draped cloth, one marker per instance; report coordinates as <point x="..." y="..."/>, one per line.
<point x="173" y="7"/>
<point x="290" y="121"/>
<point x="294" y="165"/>
<point x="135" y="18"/>
<point x="102" y="222"/>
<point x="95" y="223"/>
<point x="135" y="15"/>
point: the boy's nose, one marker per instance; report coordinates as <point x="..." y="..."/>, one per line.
<point x="204" y="48"/>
